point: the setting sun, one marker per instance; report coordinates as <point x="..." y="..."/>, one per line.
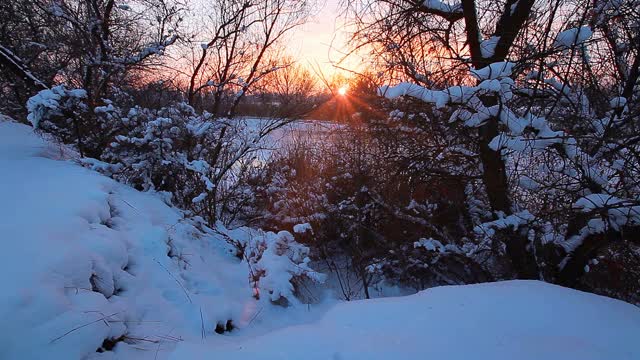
<point x="342" y="90"/>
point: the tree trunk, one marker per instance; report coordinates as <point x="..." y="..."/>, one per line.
<point x="494" y="176"/>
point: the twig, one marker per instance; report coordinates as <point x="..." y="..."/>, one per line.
<point x="255" y="316"/>
<point x="176" y="280"/>
<point x="157" y="351"/>
<point x="81" y="326"/>
<point x="133" y="207"/>
<point x="170" y="338"/>
<point x="142" y="339"/>
<point x="202" y="325"/>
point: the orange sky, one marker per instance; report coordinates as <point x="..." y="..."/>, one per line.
<point x="322" y="39"/>
<point x="318" y="43"/>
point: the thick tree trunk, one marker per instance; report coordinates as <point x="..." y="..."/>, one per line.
<point x="494" y="176"/>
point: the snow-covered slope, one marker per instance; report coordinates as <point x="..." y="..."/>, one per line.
<point x="85" y="259"/>
<point x="507" y="320"/>
<point x="92" y="269"/>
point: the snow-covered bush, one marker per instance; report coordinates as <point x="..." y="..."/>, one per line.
<point x="58" y="111"/>
<point x="68" y="117"/>
<point x="50" y="104"/>
<point x="427" y="263"/>
<point x="278" y="264"/>
<point x="152" y="150"/>
<point x="201" y="160"/>
<point x="367" y="191"/>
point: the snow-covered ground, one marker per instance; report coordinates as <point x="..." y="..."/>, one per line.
<point x="86" y="259"/>
<point x="287" y="134"/>
<point x="507" y="320"/>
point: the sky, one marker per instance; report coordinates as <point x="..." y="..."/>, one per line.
<point x="321" y="40"/>
<point x="318" y="42"/>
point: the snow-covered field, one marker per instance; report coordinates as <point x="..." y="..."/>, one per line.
<point x="92" y="269"/>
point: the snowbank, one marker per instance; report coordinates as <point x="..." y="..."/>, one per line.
<point x="88" y="263"/>
<point x="506" y="320"/>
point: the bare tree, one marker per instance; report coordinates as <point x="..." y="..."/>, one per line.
<point x="91" y="44"/>
<point x="562" y="65"/>
<point x="291" y="91"/>
<point x="242" y="49"/>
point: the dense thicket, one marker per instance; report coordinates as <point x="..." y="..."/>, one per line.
<point x="508" y="148"/>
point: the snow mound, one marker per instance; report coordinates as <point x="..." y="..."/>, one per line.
<point x="505" y="320"/>
<point x="94" y="269"/>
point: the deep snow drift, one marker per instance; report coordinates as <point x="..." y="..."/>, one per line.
<point x="86" y="259"/>
<point x="507" y="320"/>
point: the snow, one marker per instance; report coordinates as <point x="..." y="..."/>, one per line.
<point x="596" y="201"/>
<point x="488" y="47"/>
<point x="457" y="94"/>
<point x="572" y="37"/>
<point x="494" y="78"/>
<point x="528" y="183"/>
<point x="556" y="84"/>
<point x="302" y="228"/>
<point x="430" y="245"/>
<point x="494" y="71"/>
<point x="511" y="221"/>
<point x="504" y="320"/>
<point x="619" y="212"/>
<point x="87" y="258"/>
<point x="516" y="143"/>
<point x="490" y="85"/>
<point x="280" y="258"/>
<point x="438" y="5"/>
<point x="150" y="49"/>
<point x="199" y="198"/>
<point x="618" y="102"/>
<point x="48" y="100"/>
<point x="409" y="89"/>
<point x="515" y="124"/>
<point x="9" y="56"/>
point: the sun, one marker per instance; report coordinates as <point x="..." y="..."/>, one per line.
<point x="342" y="90"/>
